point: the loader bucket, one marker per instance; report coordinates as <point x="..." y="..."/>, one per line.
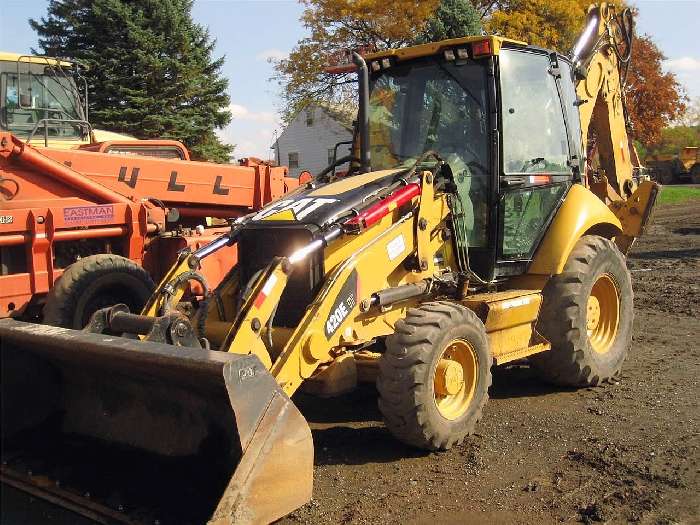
<point x="123" y="430"/>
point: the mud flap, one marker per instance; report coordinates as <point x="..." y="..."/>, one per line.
<point x="145" y="431"/>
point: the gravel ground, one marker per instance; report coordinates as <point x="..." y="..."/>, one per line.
<point x="626" y="452"/>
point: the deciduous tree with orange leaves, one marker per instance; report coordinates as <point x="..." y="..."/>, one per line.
<point x="654" y="97"/>
<point x="362" y="24"/>
<point x="334" y="25"/>
<point x="553" y="24"/>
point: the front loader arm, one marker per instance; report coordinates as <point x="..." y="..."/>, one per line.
<point x="245" y="334"/>
<point x="332" y="319"/>
<point x="336" y="316"/>
<point x="343" y="315"/>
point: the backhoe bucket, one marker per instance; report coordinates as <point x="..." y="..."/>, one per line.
<point x="123" y="430"/>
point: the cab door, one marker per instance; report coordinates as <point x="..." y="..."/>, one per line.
<point x="540" y="151"/>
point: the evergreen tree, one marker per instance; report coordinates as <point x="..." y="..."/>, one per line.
<point x="150" y="73"/>
<point x="452" y="19"/>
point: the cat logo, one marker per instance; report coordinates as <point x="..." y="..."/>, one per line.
<point x="290" y="209"/>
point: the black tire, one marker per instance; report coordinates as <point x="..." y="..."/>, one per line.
<point x="573" y="359"/>
<point x="92" y="283"/>
<point x="666" y="175"/>
<point x="695" y="174"/>
<point x="406" y="380"/>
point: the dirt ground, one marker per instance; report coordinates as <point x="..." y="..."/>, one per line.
<point x="621" y="453"/>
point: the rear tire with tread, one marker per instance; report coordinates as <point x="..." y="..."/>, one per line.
<point x="573" y="361"/>
<point x="407" y="371"/>
<point x="666" y="176"/>
<point x="695" y="174"/>
<point x="95" y="282"/>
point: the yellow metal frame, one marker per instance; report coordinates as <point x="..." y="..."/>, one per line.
<point x="433" y="48"/>
<point x="6" y="56"/>
<point x="580" y="213"/>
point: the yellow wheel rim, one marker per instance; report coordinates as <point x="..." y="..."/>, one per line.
<point x="603" y="313"/>
<point x="455" y="377"/>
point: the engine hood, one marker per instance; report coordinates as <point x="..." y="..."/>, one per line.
<point x="320" y="204"/>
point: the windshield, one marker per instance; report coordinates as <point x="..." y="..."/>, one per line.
<point x="28" y="98"/>
<point x="441" y="106"/>
<point x="430" y="105"/>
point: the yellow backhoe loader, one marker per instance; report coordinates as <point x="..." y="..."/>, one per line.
<point x="470" y="232"/>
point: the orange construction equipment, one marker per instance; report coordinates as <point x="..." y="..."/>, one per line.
<point x="682" y="167"/>
<point x="113" y="206"/>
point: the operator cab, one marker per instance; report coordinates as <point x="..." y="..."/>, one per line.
<point x="42" y="99"/>
<point x="502" y="115"/>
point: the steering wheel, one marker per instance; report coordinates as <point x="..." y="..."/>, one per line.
<point x="478" y="165"/>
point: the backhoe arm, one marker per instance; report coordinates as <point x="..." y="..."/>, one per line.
<point x="599" y="63"/>
<point x="601" y="57"/>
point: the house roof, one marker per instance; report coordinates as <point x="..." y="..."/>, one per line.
<point x="343" y="115"/>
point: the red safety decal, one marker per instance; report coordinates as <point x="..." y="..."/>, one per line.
<point x="266" y="289"/>
<point x="259" y="300"/>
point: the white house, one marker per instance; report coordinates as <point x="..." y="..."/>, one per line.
<point x="307" y="143"/>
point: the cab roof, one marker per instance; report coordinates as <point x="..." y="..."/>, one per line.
<point x="432" y="48"/>
<point x="6" y="56"/>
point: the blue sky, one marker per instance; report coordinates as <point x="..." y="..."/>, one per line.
<point x="249" y="32"/>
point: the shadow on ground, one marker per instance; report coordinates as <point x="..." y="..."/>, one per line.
<point x="349" y="430"/>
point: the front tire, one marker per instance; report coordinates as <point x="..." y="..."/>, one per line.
<point x="95" y="282"/>
<point x="587" y="315"/>
<point x="434" y="376"/>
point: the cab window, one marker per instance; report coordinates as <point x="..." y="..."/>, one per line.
<point x="536" y="159"/>
<point x="30" y="98"/>
<point x="534" y="135"/>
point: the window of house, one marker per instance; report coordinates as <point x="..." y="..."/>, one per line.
<point x="309" y="118"/>
<point x="331" y="156"/>
<point x="293" y="160"/>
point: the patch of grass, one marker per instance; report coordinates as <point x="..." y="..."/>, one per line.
<point x="676" y="195"/>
